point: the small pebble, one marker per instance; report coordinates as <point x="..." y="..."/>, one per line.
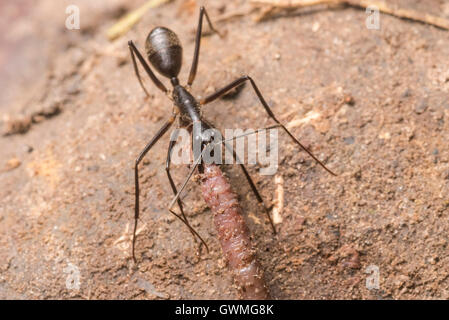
<point x="421" y="106"/>
<point x="27" y="148"/>
<point x="407" y="93"/>
<point x="349" y="140"/>
<point x="12" y="164"/>
<point x="445" y="174"/>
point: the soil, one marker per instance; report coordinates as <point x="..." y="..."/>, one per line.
<point x="375" y="109"/>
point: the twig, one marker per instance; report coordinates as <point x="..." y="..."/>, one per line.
<point x="130" y="19"/>
<point x="234" y="15"/>
<point x="287" y="4"/>
<point x="382" y="6"/>
<point x="279" y="202"/>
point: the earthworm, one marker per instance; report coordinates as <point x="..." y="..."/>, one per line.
<point x="233" y="234"/>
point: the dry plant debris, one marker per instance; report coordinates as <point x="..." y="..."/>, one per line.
<point x="381" y="5"/>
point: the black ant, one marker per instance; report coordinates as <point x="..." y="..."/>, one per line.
<point x="164" y="52"/>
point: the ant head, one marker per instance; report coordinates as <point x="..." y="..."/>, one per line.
<point x="164" y="51"/>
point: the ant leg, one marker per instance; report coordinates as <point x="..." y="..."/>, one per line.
<point x="196" y="162"/>
<point x="258" y="196"/>
<point x="175" y="191"/>
<point x="251" y="184"/>
<point x="196" y="54"/>
<point x="156" y="81"/>
<point x="147" y="148"/>
<point x="136" y="70"/>
<point x="239" y="81"/>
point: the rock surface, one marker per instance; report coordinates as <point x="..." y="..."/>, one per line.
<point x="66" y="200"/>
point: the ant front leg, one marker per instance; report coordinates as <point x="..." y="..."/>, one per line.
<point x="183" y="217"/>
<point x="196" y="54"/>
<point x="134" y="51"/>
<point x="270" y="113"/>
<point x="147" y="148"/>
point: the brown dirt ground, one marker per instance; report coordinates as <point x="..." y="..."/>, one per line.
<point x="66" y="185"/>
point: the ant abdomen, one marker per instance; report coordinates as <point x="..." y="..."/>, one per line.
<point x="164" y="51"/>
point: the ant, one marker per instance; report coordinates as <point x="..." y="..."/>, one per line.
<point x="164" y="52"/>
